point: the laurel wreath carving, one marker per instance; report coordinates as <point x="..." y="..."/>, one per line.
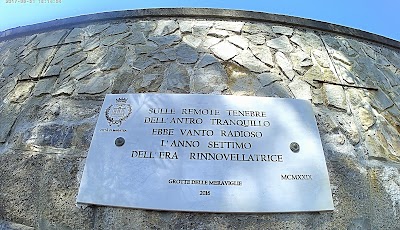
<point x="118" y="122"/>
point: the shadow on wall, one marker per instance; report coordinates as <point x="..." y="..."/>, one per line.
<point x="52" y="86"/>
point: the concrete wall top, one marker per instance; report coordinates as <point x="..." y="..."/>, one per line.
<point x="199" y="13"/>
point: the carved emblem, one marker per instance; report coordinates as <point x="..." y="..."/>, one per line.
<point x="118" y="112"/>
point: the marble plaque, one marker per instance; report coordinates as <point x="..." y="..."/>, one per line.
<point x="206" y="153"/>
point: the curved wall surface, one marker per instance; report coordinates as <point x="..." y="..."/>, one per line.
<point x="54" y="76"/>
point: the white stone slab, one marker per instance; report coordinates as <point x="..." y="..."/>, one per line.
<point x="193" y="153"/>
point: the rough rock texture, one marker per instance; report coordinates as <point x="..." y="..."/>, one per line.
<point x="52" y="85"/>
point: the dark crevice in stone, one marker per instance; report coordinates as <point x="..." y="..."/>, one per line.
<point x="36" y="79"/>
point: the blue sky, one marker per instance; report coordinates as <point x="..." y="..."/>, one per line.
<point x="379" y="17"/>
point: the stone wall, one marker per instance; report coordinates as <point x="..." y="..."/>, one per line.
<point x="52" y="85"/>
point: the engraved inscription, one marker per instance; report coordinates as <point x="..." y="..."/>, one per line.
<point x="205" y="193"/>
<point x="296" y="177"/>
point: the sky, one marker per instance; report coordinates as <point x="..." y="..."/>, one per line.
<point x="375" y="16"/>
